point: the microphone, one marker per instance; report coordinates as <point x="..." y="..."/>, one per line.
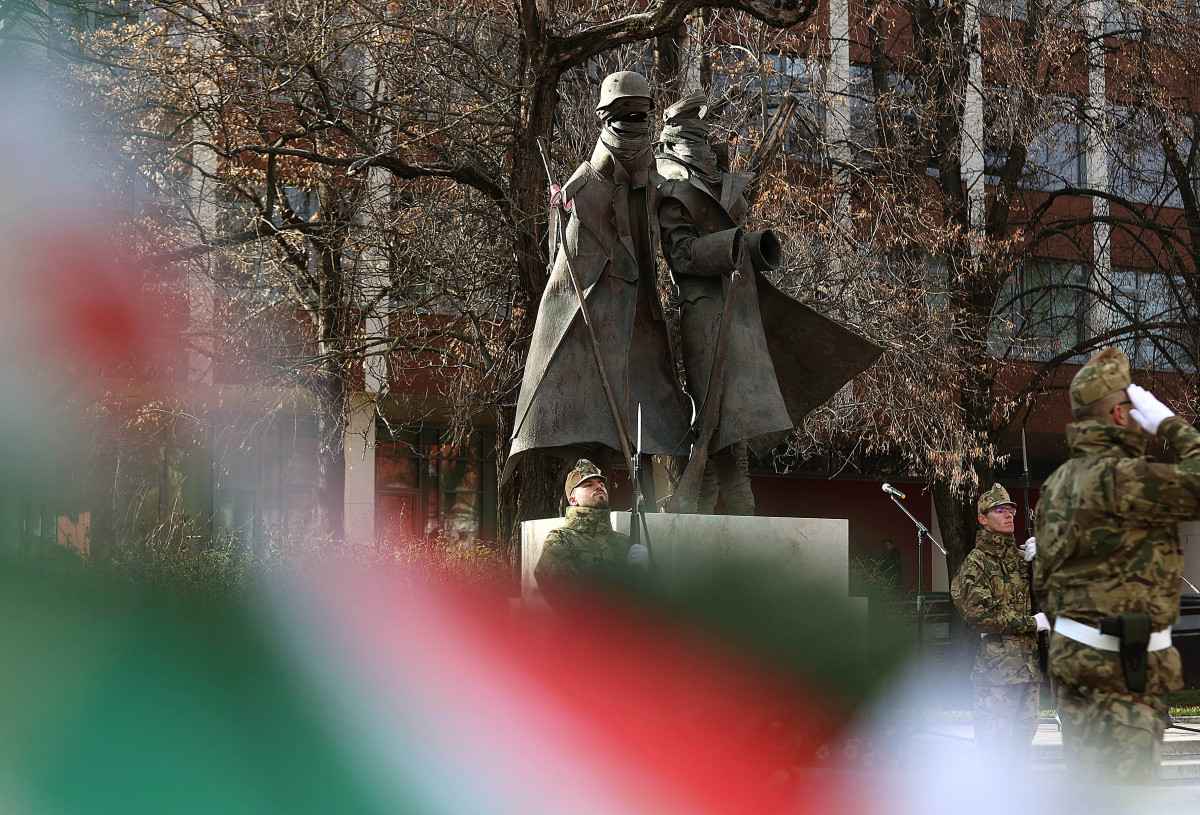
<point x="890" y="490"/>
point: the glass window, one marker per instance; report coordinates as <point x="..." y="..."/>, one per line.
<point x="802" y="78"/>
<point x="265" y="479"/>
<point x="396" y="472"/>
<point x="1052" y="304"/>
<point x="1138" y="167"/>
<point x="431" y="482"/>
<point x="1154" y="306"/>
<point x="759" y="84"/>
<point x="862" y="112"/>
<point x="1132" y="19"/>
<point x="1052" y="134"/>
<point x="899" y="110"/>
<point x="1059" y="13"/>
<point x="234" y="514"/>
<point x="1040" y="310"/>
<point x="937" y="283"/>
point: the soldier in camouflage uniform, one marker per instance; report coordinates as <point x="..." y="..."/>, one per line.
<point x="991" y="591"/>
<point x="1108" y="570"/>
<point x="586" y="549"/>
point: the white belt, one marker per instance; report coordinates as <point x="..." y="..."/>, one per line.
<point x="1075" y="630"/>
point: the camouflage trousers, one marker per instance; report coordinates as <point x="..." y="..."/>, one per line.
<point x="1113" y="737"/>
<point x="1005" y="721"/>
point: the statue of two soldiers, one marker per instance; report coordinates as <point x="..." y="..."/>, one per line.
<point x="601" y="361"/>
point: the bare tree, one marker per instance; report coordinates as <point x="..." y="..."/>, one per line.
<point x="369" y="168"/>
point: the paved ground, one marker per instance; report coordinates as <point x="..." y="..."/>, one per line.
<point x="1181" y="748"/>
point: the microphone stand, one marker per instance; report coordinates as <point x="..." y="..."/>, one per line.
<point x="922" y="535"/>
<point x="1171" y="722"/>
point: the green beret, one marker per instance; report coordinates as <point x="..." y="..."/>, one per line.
<point x="1106" y="372"/>
<point x="997" y="496"/>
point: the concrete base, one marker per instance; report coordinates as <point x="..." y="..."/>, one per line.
<point x="802" y="549"/>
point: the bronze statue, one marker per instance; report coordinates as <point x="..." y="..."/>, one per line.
<point x="611" y="247"/>
<point x="756" y="361"/>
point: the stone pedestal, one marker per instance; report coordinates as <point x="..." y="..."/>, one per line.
<point x="801" y="549"/>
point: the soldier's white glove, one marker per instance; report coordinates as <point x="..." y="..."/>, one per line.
<point x="1147" y="410"/>
<point x="1042" y="623"/>
<point x="638" y="555"/>
<point x="1029" y="547"/>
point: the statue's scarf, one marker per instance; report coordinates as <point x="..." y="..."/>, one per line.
<point x="626" y="134"/>
<point x="685" y="138"/>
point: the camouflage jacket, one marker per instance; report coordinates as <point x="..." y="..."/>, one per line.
<point x="586" y="549"/>
<point x="1108" y="543"/>
<point x="1106" y="524"/>
<point x="991" y="591"/>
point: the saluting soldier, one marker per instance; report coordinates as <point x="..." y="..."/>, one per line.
<point x="992" y="592"/>
<point x="1108" y="570"/>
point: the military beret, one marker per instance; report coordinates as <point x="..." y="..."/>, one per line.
<point x="997" y="496"/>
<point x="584" y="470"/>
<point x="1106" y="372"/>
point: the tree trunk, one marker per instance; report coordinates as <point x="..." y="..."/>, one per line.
<point x="103" y="544"/>
<point x="332" y="416"/>
<point x="531" y="493"/>
<point x="532" y="490"/>
<point x="668" y="53"/>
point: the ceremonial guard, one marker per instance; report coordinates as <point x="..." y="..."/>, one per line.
<point x="586" y="549"/>
<point x="992" y="592"/>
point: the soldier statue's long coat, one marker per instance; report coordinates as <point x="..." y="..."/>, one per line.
<point x="562" y="408"/>
<point x="784" y="358"/>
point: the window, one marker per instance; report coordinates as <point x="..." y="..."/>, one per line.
<point x="1057" y="13"/>
<point x="1132" y="20"/>
<point x="802" y="78"/>
<point x="862" y="112"/>
<point x="899" y="110"/>
<point x="429" y="483"/>
<point x="264" y="481"/>
<point x="1041" y="309"/>
<point x="760" y="84"/>
<point x="1138" y="168"/>
<point x="937" y="283"/>
<point x="96" y="15"/>
<point x="1011" y="10"/>
<point x="1141" y="300"/>
<point x="1052" y="133"/>
<point x="252" y="270"/>
<point x="237" y="483"/>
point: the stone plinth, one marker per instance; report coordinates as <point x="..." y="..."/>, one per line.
<point x="800" y="551"/>
<point x="803" y="549"/>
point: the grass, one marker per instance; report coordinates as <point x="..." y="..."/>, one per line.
<point x="1182" y="703"/>
<point x="1185" y="702"/>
